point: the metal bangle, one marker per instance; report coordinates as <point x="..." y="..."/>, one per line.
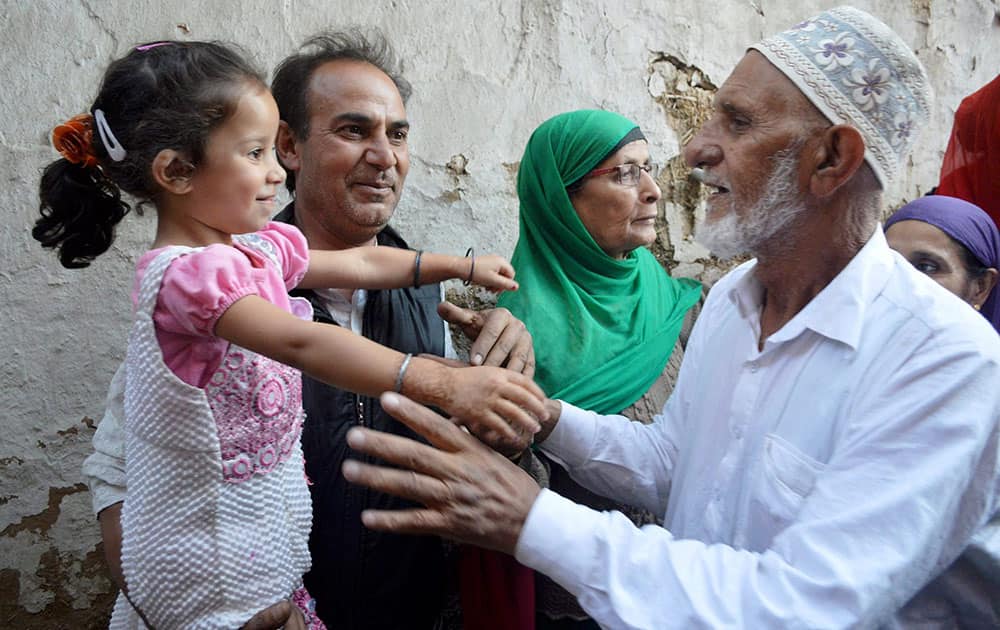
<point x="472" y="267"/>
<point x="402" y="372"/>
<point x="416" y="269"/>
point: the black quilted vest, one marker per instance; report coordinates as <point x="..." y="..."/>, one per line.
<point x="361" y="578"/>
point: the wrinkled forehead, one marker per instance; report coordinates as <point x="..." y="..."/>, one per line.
<point x="755" y="82"/>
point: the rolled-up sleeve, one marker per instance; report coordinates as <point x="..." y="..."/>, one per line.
<point x="104" y="470"/>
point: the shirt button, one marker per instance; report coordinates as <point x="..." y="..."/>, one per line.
<point x="738" y="433"/>
<point x="753" y="366"/>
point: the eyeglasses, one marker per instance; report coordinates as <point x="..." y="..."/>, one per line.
<point x="628" y="174"/>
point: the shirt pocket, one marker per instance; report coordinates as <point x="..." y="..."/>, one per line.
<point x="787" y="477"/>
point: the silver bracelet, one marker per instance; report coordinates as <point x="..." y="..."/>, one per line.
<point x="416" y="269"/>
<point x="402" y="372"/>
<point x="472" y="268"/>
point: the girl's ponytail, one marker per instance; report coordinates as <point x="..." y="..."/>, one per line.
<point x="80" y="209"/>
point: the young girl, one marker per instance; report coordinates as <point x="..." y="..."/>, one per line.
<point x="217" y="514"/>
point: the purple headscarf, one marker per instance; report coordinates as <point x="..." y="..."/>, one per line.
<point x="967" y="224"/>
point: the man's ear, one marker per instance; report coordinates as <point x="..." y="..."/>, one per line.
<point x="172" y="171"/>
<point x="840" y="154"/>
<point x="287" y="147"/>
<point x="982" y="286"/>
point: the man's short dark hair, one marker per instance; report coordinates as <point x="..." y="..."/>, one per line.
<point x="292" y="76"/>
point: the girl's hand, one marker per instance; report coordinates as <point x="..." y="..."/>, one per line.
<point x="494" y="273"/>
<point x="502" y="408"/>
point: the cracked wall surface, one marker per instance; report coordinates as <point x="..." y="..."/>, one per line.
<point x="485" y="74"/>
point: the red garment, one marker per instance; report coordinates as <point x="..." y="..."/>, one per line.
<point x="496" y="591"/>
<point x="971" y="168"/>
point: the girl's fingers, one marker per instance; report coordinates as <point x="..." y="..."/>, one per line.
<point x="500" y="282"/>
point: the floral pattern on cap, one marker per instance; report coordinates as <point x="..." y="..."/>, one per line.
<point x="835" y="53"/>
<point x="870" y="86"/>
<point x="857" y="71"/>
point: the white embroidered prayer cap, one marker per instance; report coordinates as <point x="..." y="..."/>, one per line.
<point x="859" y="72"/>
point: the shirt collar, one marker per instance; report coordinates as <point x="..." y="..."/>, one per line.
<point x="838" y="311"/>
<point x="747" y="294"/>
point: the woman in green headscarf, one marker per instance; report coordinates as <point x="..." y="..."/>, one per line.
<point x="604" y="314"/>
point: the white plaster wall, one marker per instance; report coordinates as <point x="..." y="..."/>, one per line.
<point x="485" y="74"/>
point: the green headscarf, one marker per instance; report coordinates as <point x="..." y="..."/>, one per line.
<point x="603" y="328"/>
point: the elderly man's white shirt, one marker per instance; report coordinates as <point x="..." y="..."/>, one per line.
<point x="819" y="482"/>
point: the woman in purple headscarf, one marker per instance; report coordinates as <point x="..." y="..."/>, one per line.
<point x="955" y="243"/>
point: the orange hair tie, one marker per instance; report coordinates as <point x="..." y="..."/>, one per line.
<point x="74" y="139"/>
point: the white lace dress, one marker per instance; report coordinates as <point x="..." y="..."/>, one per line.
<point x="217" y="513"/>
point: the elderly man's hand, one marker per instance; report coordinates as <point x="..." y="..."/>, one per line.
<point x="471" y="493"/>
<point x="499" y="338"/>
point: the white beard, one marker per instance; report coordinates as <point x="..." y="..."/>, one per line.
<point x="732" y="235"/>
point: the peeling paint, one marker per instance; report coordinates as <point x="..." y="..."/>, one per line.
<point x="56" y="573"/>
<point x="41" y="523"/>
<point x="450" y="196"/>
<point x="922" y="11"/>
<point x="456" y="165"/>
<point x="511" y="168"/>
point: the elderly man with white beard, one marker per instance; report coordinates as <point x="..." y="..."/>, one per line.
<point x="831" y="447"/>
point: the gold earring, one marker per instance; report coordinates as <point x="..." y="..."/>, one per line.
<point x="975" y="306"/>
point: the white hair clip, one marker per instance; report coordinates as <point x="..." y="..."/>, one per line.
<point x="115" y="150"/>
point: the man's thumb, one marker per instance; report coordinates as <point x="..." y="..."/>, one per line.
<point x="454" y="314"/>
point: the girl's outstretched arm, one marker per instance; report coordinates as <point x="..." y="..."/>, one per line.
<point x="499" y="400"/>
<point x="393" y="268"/>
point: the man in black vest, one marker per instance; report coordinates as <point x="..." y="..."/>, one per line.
<point x="343" y="141"/>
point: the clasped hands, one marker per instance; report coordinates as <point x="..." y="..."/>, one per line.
<point x="470" y="492"/>
<point x="500" y="340"/>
